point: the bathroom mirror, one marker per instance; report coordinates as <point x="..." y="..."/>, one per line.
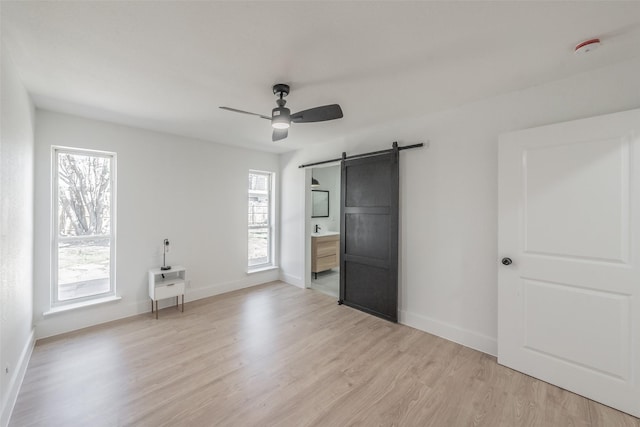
<point x="320" y="201"/>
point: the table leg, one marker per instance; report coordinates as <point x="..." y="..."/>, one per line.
<point x="183" y="303"/>
<point x="156" y="309"/>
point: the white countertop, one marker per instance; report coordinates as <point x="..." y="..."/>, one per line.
<point x="325" y="233"/>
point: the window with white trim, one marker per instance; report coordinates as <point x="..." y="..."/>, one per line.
<point x="83" y="253"/>
<point x="260" y="220"/>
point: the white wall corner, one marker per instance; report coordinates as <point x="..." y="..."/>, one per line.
<point x="450" y="332"/>
<point x="292" y="280"/>
<point x="15" y="383"/>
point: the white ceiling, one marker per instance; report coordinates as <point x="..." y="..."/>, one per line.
<point x="167" y="66"/>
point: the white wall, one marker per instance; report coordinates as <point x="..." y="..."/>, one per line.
<point x="448" y="196"/>
<point x="192" y="192"/>
<point x="16" y="234"/>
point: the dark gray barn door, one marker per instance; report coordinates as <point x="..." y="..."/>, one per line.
<point x="369" y="238"/>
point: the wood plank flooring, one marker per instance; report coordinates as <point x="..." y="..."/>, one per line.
<point x="276" y="355"/>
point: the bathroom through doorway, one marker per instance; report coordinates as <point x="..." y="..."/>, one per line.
<point x="324" y="230"/>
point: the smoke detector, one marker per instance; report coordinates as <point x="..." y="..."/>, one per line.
<point x="587" y="46"/>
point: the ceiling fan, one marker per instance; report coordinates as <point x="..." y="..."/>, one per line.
<point x="281" y="117"/>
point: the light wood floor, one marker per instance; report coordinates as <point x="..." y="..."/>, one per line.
<point x="279" y="355"/>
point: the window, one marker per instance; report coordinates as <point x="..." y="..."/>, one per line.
<point x="83" y="254"/>
<point x="260" y="219"/>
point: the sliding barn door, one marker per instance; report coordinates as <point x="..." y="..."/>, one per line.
<point x="369" y="238"/>
<point x="569" y="242"/>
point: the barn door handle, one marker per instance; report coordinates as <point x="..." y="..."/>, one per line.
<point x="507" y="261"/>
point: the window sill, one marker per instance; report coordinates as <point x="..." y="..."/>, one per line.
<point x="69" y="307"/>
<point x="262" y="269"/>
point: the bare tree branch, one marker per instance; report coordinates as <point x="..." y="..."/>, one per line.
<point x="84" y="194"/>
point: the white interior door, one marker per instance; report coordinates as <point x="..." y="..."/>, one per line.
<point x="569" y="219"/>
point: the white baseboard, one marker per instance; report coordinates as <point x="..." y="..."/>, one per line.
<point x="16" y="380"/>
<point x="450" y="332"/>
<point x="221" y="288"/>
<point x="85" y="317"/>
<point x="292" y="280"/>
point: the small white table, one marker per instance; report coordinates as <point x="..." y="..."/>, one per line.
<point x="166" y="284"/>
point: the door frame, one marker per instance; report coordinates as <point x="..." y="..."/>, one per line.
<point x="308" y="172"/>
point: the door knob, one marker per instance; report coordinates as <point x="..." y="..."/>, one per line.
<point x="507" y="261"/>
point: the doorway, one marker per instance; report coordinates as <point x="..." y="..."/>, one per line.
<point x="323" y="229"/>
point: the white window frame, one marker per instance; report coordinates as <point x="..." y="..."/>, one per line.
<point x="55" y="238"/>
<point x="271" y="226"/>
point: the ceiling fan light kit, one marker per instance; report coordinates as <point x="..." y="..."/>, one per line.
<point x="281" y="122"/>
<point x="281" y="117"/>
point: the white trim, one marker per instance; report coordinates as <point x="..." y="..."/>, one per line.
<point x="60" y="323"/>
<point x="271" y="227"/>
<point x="16" y="380"/>
<point x="83" y="304"/>
<point x="450" y="332"/>
<point x="261" y="269"/>
<point x="306" y="282"/>
<point x="292" y="280"/>
<point x="54" y="303"/>
<point x="224" y="287"/>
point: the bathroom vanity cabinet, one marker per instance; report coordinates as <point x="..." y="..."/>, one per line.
<point x="325" y="252"/>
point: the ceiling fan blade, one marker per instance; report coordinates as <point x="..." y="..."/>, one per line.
<point x="279" y="134"/>
<point x="235" y="110"/>
<point x="318" y="114"/>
